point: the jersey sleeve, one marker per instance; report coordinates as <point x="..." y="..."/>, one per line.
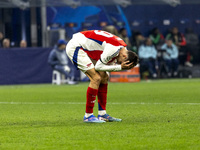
<point x="102" y="67"/>
<point x="110" y="52"/>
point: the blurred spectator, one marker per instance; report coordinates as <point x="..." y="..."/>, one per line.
<point x="103" y="24"/>
<point x="137" y="40"/>
<point x="1" y="39"/>
<point x="156" y="37"/>
<point x="170" y="57"/>
<point x="179" y="40"/>
<point x="59" y="61"/>
<point x="84" y="29"/>
<point x="177" y="37"/>
<point x="23" y="44"/>
<point x="6" y="43"/>
<point x="148" y="54"/>
<point x="111" y="29"/>
<point x="123" y="35"/>
<point x="193" y="44"/>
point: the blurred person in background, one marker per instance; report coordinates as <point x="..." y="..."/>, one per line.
<point x="23" y="44"/>
<point x="111" y="29"/>
<point x="59" y="61"/>
<point x="193" y="46"/>
<point x="170" y="57"/>
<point x="124" y="36"/>
<point x="96" y="52"/>
<point x="180" y="41"/>
<point x="177" y="37"/>
<point x="1" y="39"/>
<point x="84" y="29"/>
<point x="148" y="54"/>
<point x="6" y="43"/>
<point x="137" y="40"/>
<point x="156" y="37"/>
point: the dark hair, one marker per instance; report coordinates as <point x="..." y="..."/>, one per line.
<point x="132" y="57"/>
<point x="154" y="29"/>
<point x="122" y="29"/>
<point x="58" y="45"/>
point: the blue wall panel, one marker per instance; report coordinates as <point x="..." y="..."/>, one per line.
<point x="24" y="66"/>
<point x="182" y="16"/>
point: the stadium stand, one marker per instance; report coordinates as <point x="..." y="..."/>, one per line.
<point x="41" y="24"/>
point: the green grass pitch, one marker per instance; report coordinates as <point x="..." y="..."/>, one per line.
<point x="157" y="115"/>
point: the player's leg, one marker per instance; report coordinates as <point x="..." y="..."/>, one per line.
<point x="92" y="92"/>
<point x="81" y="61"/>
<point x="102" y="93"/>
<point x="102" y="99"/>
<point x="95" y="78"/>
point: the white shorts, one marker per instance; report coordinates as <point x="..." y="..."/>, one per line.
<point x="78" y="57"/>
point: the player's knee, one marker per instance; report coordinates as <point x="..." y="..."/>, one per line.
<point x="97" y="79"/>
<point x="105" y="77"/>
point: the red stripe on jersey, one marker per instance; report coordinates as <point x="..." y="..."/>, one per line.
<point x="93" y="54"/>
<point x="104" y="36"/>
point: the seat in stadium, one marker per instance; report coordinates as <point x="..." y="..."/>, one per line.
<point x="58" y="78"/>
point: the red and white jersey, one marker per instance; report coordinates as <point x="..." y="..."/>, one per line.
<point x="100" y="44"/>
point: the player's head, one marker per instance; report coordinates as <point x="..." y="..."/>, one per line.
<point x="132" y="58"/>
<point x="126" y="55"/>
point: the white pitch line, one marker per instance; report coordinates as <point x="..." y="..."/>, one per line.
<point x="83" y="103"/>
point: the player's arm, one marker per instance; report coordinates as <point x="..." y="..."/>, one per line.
<point x="108" y="54"/>
<point x="100" y="66"/>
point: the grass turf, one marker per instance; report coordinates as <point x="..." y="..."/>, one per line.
<point x="162" y="114"/>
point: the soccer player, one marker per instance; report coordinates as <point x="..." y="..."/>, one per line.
<point x="95" y="52"/>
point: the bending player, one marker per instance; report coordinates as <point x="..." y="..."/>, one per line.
<point x="94" y="52"/>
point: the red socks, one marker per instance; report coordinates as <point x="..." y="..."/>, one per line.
<point x="91" y="97"/>
<point x="102" y="96"/>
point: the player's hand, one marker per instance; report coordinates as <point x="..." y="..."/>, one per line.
<point x="126" y="65"/>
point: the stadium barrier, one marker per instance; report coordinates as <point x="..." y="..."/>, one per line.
<point x="132" y="75"/>
<point x="27" y="66"/>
